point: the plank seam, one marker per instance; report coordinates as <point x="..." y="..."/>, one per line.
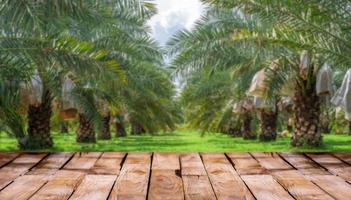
<point x="8" y="162"/>
<point x="68" y="160"/>
<point x="208" y="177"/>
<point x="342" y="160"/>
<point x="270" y="173"/>
<point x="149" y="180"/>
<point x="233" y="165"/>
<point x="120" y="169"/>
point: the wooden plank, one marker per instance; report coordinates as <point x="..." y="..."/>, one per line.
<point x="264" y="187"/>
<point x="133" y="179"/>
<point x="108" y="164"/>
<point x="51" y="164"/>
<point x="245" y="164"/>
<point x="23" y="187"/>
<point x="95" y="187"/>
<point x="166" y="161"/>
<point x="138" y="158"/>
<point x="191" y="164"/>
<point x="83" y="161"/>
<point x="60" y="187"/>
<point x="224" y="179"/>
<point x="333" y="185"/>
<point x="303" y="164"/>
<point x="197" y="188"/>
<point x="196" y="183"/>
<point x="333" y="165"/>
<point x="271" y="161"/>
<point x="19" y="166"/>
<point x="298" y="186"/>
<point x="5" y="158"/>
<point x="166" y="182"/>
<point x="346" y="157"/>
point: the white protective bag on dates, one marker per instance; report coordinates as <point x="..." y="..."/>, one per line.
<point x="342" y="97"/>
<point x="324" y="82"/>
<point x="32" y="92"/>
<point x="258" y="87"/>
<point x="68" y="109"/>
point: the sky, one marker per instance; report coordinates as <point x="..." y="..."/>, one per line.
<point x="172" y="16"/>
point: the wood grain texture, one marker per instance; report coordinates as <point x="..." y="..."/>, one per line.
<point x="60" y="187"/>
<point x="333" y="185"/>
<point x="191" y="164"/>
<point x="5" y="158"/>
<point x="333" y="165"/>
<point x="108" y="164"/>
<point x="166" y="182"/>
<point x="165" y="185"/>
<point x="23" y="187"/>
<point x="195" y="181"/>
<point x="346" y="157"/>
<point x="133" y="179"/>
<point x="225" y="181"/>
<point x="95" y="187"/>
<point x="166" y="161"/>
<point x="303" y="164"/>
<point x="19" y="166"/>
<point x="264" y="187"/>
<point x="299" y="186"/>
<point x="83" y="161"/>
<point x="271" y="161"/>
<point x="51" y="164"/>
<point x="189" y="176"/>
<point x="197" y="188"/>
<point x="245" y="164"/>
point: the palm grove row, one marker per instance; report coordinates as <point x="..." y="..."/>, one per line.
<point x="277" y="62"/>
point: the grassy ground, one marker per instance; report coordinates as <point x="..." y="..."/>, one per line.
<point x="183" y="141"/>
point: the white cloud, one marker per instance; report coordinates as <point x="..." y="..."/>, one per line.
<point x="174" y="15"/>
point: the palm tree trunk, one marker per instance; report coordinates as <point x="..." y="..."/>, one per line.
<point x="120" y="130"/>
<point x="235" y="129"/>
<point x="105" y="133"/>
<point x="137" y="129"/>
<point x="39" y="124"/>
<point x="307" y="112"/>
<point x="247" y="132"/>
<point x="268" y="124"/>
<point x="63" y="127"/>
<point x="85" y="133"/>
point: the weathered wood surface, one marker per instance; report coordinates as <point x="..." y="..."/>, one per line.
<point x="189" y="176"/>
<point x="224" y="179"/>
<point x="61" y="186"/>
<point x="51" y="164"/>
<point x="133" y="179"/>
<point x="333" y="165"/>
<point x="303" y="164"/>
<point x="271" y="161"/>
<point x="245" y="164"/>
<point x="83" y="161"/>
<point x="266" y="188"/>
<point x="196" y="183"/>
<point x="166" y="182"/>
<point x="19" y="166"/>
<point x="95" y="187"/>
<point x="23" y="187"/>
<point x="108" y="164"/>
<point x="299" y="186"/>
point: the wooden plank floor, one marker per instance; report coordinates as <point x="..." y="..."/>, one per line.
<point x="175" y="176"/>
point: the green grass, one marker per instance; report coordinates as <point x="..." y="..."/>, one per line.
<point x="183" y="141"/>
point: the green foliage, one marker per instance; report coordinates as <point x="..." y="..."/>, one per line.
<point x="184" y="141"/>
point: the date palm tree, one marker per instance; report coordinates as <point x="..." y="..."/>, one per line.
<point x="43" y="39"/>
<point x="273" y="30"/>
